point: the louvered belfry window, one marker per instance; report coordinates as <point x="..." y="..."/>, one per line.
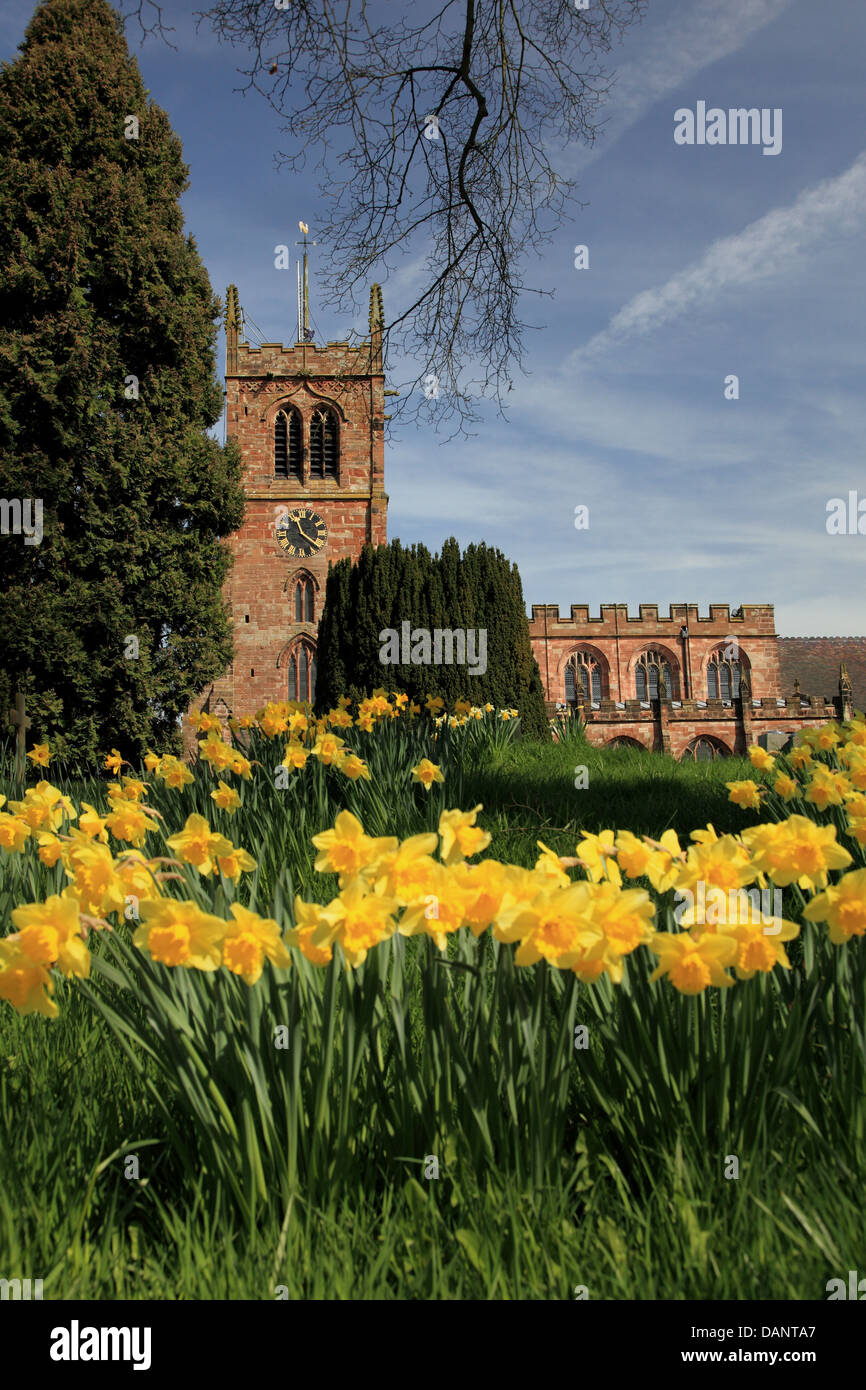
<point x="323" y="444"/>
<point x="287" y="445"/>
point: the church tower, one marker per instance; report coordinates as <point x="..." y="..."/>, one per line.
<point x="309" y="420"/>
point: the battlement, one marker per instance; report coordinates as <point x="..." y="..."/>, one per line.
<point x="755" y="618"/>
<point x="306" y="360"/>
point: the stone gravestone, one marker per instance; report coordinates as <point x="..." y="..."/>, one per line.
<point x="774" y="740"/>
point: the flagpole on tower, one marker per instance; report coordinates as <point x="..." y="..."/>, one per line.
<point x="304" y="334"/>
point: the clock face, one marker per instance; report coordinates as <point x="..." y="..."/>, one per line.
<point x="301" y="532"/>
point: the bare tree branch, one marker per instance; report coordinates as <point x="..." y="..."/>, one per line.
<point x="136" y="11"/>
<point x="510" y="83"/>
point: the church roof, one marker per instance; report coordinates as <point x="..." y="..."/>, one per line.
<point x="815" y="662"/>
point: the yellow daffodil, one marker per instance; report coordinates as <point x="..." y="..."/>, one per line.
<point x="598" y="855"/>
<point x="308" y="917"/>
<point x="40" y="754"/>
<point x="235" y="862"/>
<point x="14" y="833"/>
<point x="625" y="918"/>
<point x="327" y="747"/>
<point x="93" y="874"/>
<point x="44" y="807"/>
<point x="130" y="822"/>
<point x="555" y="925"/>
<point x="179" y="933"/>
<point x="691" y="965"/>
<point x="759" y="951"/>
<point x="786" y="787"/>
<point x="249" y="940"/>
<point x="857" y="829"/>
<point x="353" y="767"/>
<point x="214" y="751"/>
<point x="724" y="863"/>
<point x="48" y="933"/>
<point x="199" y="845"/>
<point x="800" y="758"/>
<point x="746" y="794"/>
<point x="796" y="851"/>
<point x="136" y="875"/>
<point x="340" y="719"/>
<point x="91" y="823"/>
<point x="483" y="888"/>
<point x="826" y="788"/>
<point x="347" y="849"/>
<point x="295" y="756"/>
<point x="226" y="798"/>
<point x="407" y="869"/>
<point x="50" y="848"/>
<point x="842" y="906"/>
<point x="461" y="838"/>
<point x="24" y="984"/>
<point x="760" y="758"/>
<point x="426" y="773"/>
<point x="174" y="772"/>
<point x="550" y="865"/>
<point x="358" y="919"/>
<point x="440" y="913"/>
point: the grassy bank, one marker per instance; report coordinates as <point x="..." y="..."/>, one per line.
<point x="606" y="1168"/>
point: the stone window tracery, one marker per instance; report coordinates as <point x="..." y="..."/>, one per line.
<point x="583" y="670"/>
<point x="723" y="677"/>
<point x="653" y="669"/>
<point x="304" y="601"/>
<point x="302" y="672"/>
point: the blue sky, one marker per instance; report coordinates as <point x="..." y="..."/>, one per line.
<point x="705" y="261"/>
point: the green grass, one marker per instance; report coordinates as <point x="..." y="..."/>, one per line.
<point x="614" y="1181"/>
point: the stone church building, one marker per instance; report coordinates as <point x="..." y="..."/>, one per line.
<point x="310" y="421"/>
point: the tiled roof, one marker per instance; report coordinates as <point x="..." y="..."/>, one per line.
<point x="815" y="661"/>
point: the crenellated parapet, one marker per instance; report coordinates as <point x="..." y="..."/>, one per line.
<point x="614" y="618"/>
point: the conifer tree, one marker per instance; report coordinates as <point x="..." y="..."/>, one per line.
<point x="390" y="585"/>
<point x="114" y="620"/>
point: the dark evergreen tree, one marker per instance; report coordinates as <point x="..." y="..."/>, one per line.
<point x="391" y="585"/>
<point x="115" y="619"/>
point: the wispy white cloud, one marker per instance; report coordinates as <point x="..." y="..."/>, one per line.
<point x="673" y="52"/>
<point x="772" y="246"/>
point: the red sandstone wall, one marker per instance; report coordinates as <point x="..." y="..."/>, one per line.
<point x="260" y="590"/>
<point x="618" y="640"/>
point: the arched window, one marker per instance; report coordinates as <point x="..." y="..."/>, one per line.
<point x="652" y="667"/>
<point x="723" y="677"/>
<point x="304" y="599"/>
<point x="703" y="750"/>
<point x="302" y="672"/>
<point x="582" y="669"/>
<point x="288" y="449"/>
<point x="324" y="453"/>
